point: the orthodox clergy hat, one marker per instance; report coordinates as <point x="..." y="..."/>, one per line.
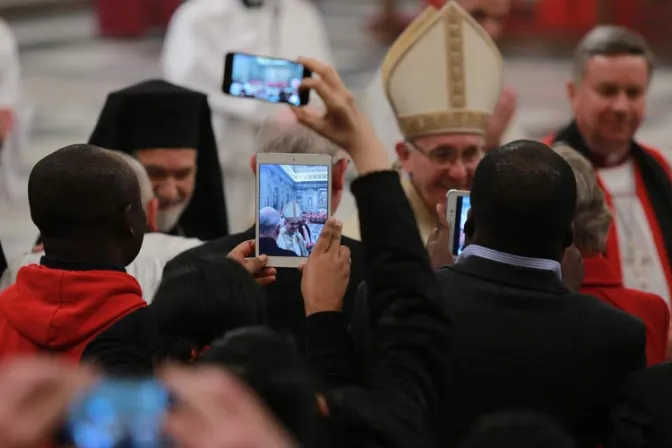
<point x="157" y="114"/>
<point x="291" y="210"/>
<point x="443" y="74"/>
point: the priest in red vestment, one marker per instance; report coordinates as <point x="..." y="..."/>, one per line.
<point x="612" y="73"/>
<point x="592" y="221"/>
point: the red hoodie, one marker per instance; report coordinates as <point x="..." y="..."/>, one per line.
<point x="58" y="311"/>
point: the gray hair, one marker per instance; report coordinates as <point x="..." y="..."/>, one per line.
<point x="146" y="189"/>
<point x="269" y="220"/>
<point x="592" y="218"/>
<point x="610" y="40"/>
<point x="289" y="137"/>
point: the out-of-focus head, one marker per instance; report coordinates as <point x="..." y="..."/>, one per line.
<point x="149" y="201"/>
<point x="202" y="297"/>
<point x="270" y="223"/>
<point x="523" y="201"/>
<point x="490" y="14"/>
<point x="273" y="367"/>
<point x="86" y="201"/>
<point x="283" y="134"/>
<point x="443" y="114"/>
<point x="592" y="218"/>
<point x="612" y="71"/>
<point x="517" y="430"/>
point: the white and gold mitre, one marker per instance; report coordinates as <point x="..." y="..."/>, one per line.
<point x="444" y="74"/>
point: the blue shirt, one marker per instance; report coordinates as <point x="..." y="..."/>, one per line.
<point x="474" y="250"/>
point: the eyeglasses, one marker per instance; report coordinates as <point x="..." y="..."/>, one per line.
<point x="448" y="155"/>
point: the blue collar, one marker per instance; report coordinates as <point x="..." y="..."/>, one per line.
<point x="474" y="250"/>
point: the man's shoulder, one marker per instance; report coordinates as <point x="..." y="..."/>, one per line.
<point x="656" y="154"/>
<point x="224" y="244"/>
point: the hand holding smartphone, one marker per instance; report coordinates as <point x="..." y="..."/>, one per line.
<point x="273" y="80"/>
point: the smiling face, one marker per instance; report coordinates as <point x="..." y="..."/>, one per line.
<point x="173" y="176"/>
<point x="438" y="163"/>
<point x="610" y="101"/>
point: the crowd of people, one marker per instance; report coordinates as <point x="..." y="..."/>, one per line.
<point x="551" y="328"/>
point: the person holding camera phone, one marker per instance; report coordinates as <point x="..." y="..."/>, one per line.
<point x="443" y="115"/>
<point x="200" y="34"/>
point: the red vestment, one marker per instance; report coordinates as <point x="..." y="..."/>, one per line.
<point x="613" y="253"/>
<point x="604" y="283"/>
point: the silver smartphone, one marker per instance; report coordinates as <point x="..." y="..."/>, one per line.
<point x="458" y="203"/>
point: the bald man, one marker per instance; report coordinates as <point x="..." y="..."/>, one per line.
<point x="283" y="134"/>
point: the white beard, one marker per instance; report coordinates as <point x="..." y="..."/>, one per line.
<point x="167" y="219"/>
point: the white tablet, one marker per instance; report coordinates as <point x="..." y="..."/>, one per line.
<point x="293" y="203"/>
<point x="458" y="203"/>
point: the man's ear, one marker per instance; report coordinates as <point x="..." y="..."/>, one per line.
<point x="402" y="151"/>
<point x="569" y="237"/>
<point x="253" y="164"/>
<point x="571" y="90"/>
<point x="153" y="215"/>
<point x="338" y="173"/>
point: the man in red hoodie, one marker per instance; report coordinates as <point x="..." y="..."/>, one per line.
<point x="86" y="203"/>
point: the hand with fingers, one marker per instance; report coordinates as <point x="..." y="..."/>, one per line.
<point x="35" y="394"/>
<point x="438" y="242"/>
<point x="327" y="272"/>
<point x="343" y="123"/>
<point x="215" y="410"/>
<point x="244" y="254"/>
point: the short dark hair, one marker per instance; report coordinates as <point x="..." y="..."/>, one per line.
<point x="523" y="199"/>
<point x="520" y="430"/>
<point x="273" y="367"/>
<point x="80" y="187"/>
<point x="610" y="40"/>
<point x="201" y="298"/>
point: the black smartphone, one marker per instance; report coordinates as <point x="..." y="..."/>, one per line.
<point x="264" y="78"/>
<point x="118" y="413"/>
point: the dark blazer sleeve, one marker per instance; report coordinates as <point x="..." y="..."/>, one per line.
<point x="642" y="415"/>
<point x="401" y="388"/>
<point x="127" y="347"/>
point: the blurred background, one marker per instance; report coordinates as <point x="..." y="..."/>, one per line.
<point x="73" y="52"/>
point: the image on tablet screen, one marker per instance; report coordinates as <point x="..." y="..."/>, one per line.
<point x="293" y="208"/>
<point x="463" y="206"/>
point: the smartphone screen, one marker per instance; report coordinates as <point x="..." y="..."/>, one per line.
<point x="462" y="206"/>
<point x="119" y="413"/>
<point x="293" y="208"/>
<point x="264" y="78"/>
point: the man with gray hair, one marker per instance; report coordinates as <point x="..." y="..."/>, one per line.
<point x="592" y="221"/>
<point x="283" y="134"/>
<point x="270" y="223"/>
<point x="612" y="72"/>
<point x="157" y="248"/>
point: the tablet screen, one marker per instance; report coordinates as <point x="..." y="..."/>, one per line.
<point x="293" y="208"/>
<point x="461" y="211"/>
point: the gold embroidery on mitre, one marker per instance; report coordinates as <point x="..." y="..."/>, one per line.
<point x="455" y="60"/>
<point x="444" y="122"/>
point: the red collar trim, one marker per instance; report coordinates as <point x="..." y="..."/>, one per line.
<point x="598" y="271"/>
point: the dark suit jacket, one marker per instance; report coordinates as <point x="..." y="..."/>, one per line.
<point x="643" y="416"/>
<point x="285" y="303"/>
<point x="522" y="341"/>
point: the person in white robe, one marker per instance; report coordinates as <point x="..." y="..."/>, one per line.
<point x="504" y="125"/>
<point x="199" y="36"/>
<point x="157" y="248"/>
<point x="443" y="78"/>
<point x="290" y="238"/>
<point x="15" y="120"/>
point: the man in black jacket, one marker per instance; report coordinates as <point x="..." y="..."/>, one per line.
<point x="521" y="340"/>
<point x="283" y="134"/>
